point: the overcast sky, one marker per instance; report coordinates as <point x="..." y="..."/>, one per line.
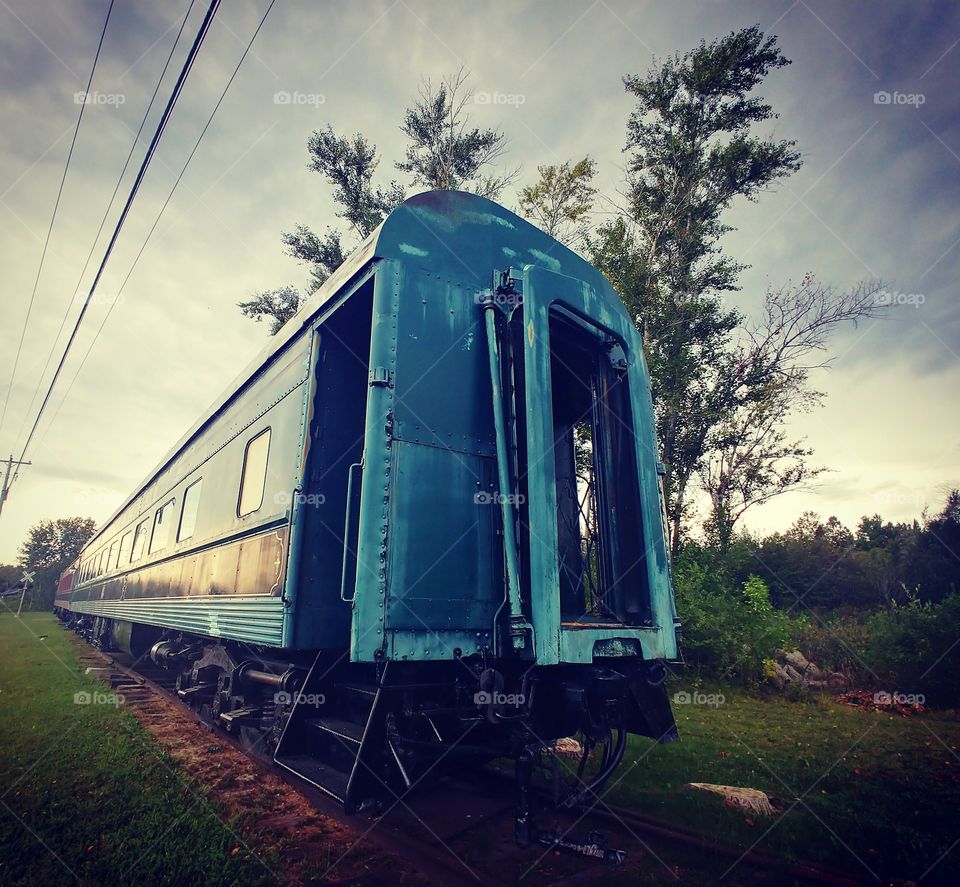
<point x="877" y="197"/>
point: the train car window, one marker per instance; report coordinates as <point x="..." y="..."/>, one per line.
<point x="254" y="473"/>
<point x="124" y="557"/>
<point x="161" y="527"/>
<point x="139" y="540"/>
<point x="188" y="516"/>
<point x="112" y="556"/>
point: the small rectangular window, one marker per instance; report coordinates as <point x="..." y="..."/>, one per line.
<point x="112" y="555"/>
<point x="139" y="540"/>
<point x="161" y="527"/>
<point x="254" y="473"/>
<point x="188" y="515"/>
<point x="101" y="561"/>
<point x="124" y="557"/>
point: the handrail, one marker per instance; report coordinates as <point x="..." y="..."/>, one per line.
<point x="519" y="629"/>
<point x="347" y="522"/>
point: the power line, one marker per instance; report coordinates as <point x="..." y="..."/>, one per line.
<point x="56" y="206"/>
<point x="156" y="221"/>
<point x="103" y="221"/>
<point x="161" y="126"/>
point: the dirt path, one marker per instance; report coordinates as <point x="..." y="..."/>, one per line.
<point x="277" y="823"/>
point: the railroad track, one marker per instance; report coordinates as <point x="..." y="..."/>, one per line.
<point x="458" y="830"/>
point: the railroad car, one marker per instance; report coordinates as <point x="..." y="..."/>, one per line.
<point x="423" y="526"/>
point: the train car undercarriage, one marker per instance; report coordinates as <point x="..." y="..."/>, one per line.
<point x="367" y="734"/>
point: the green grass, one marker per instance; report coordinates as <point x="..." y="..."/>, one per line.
<point x="880" y="793"/>
<point x="85" y="793"/>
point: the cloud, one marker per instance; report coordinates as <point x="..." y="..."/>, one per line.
<point x="877" y="196"/>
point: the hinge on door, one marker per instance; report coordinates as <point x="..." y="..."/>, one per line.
<point x="507" y="292"/>
<point x="511" y="279"/>
<point x="380" y="378"/>
<point x="616" y="355"/>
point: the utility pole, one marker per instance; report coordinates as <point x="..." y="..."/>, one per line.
<point x="6" y="479"/>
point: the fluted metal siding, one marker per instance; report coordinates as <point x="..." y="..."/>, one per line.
<point x="254" y="619"/>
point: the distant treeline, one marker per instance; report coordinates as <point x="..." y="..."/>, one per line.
<point x="880" y="604"/>
<point x="825" y="565"/>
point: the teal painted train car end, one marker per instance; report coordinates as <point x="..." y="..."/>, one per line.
<point x="432" y="580"/>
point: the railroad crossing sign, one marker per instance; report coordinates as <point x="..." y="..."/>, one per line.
<point x="27" y="580"/>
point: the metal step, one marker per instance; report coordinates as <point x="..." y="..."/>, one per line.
<point x="355" y="701"/>
<point x="250" y="716"/>
<point x="196" y="690"/>
<point x="347" y="731"/>
<point x="359" y="689"/>
<point x="328" y="779"/>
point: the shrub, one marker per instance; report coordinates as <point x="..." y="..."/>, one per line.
<point x="908" y="648"/>
<point x="915" y="648"/>
<point x="836" y="642"/>
<point x="727" y="631"/>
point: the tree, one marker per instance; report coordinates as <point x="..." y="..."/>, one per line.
<point x="9" y="576"/>
<point x="279" y="305"/>
<point x="752" y="463"/>
<point x="749" y="457"/>
<point x="443" y="152"/>
<point x="561" y="199"/>
<point x="815" y="564"/>
<point x="691" y="155"/>
<point x="935" y="569"/>
<point x="50" y="547"/>
<point x="348" y="166"/>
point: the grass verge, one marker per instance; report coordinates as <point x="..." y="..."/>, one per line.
<point x="873" y="793"/>
<point x="85" y="793"/>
